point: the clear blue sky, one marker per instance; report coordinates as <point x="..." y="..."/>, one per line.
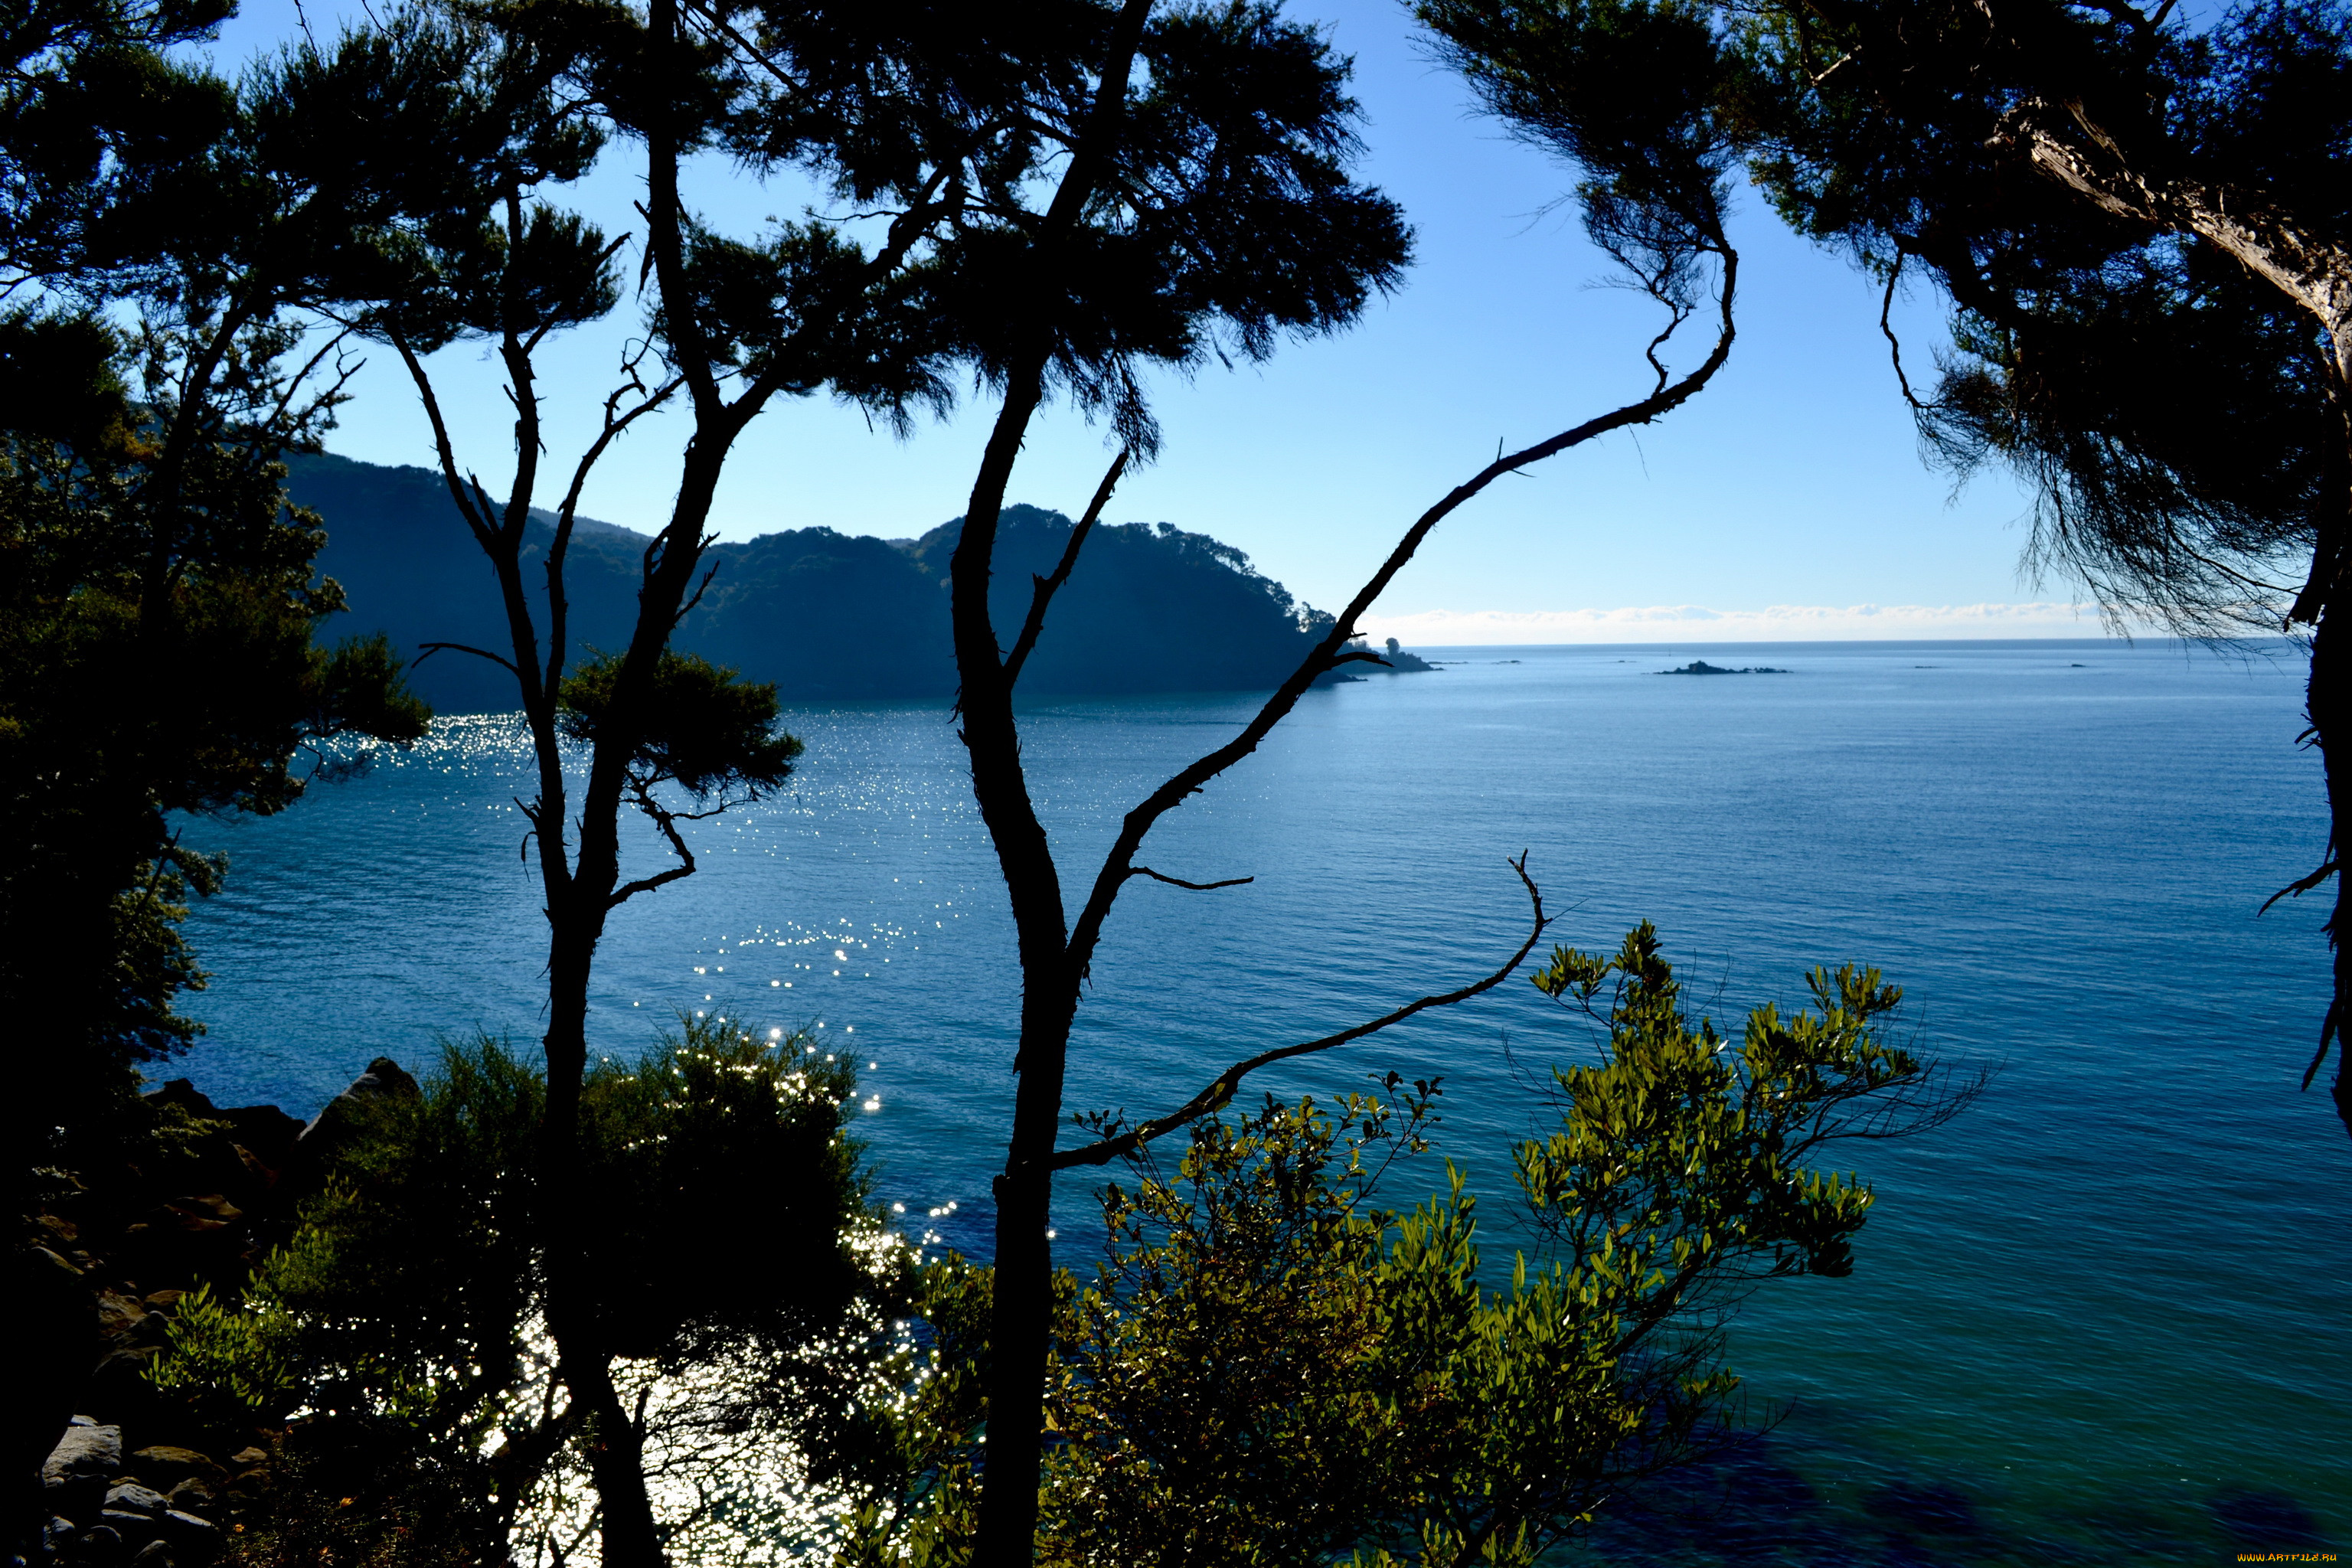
<point x="1790" y="493"/>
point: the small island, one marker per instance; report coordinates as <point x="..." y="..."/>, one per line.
<point x="1700" y="666"/>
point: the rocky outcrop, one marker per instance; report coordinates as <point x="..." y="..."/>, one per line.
<point x="103" y="1510"/>
<point x="108" y="1260"/>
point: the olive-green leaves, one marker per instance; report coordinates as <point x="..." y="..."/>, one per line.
<point x="1272" y="1367"/>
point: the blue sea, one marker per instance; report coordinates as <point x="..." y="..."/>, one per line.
<point x="2100" y="1319"/>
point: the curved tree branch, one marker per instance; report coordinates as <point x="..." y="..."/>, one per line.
<point x="1326" y="655"/>
<point x="430" y="648"/>
<point x="1047" y="587"/>
<point x="667" y="821"/>
<point x="1220" y="1090"/>
<point x="1179" y="882"/>
<point x="1894" y="344"/>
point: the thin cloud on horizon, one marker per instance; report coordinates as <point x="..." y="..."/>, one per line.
<point x="1777" y="623"/>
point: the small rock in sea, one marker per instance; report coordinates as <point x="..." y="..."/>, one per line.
<point x="1700" y="666"/>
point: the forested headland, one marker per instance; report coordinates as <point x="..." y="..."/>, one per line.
<point x="820" y="615"/>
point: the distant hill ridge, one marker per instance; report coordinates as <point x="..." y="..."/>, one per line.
<point x="828" y="616"/>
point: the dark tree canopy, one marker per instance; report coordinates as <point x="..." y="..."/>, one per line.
<point x="160" y="652"/>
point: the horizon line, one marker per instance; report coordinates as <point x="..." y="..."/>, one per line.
<point x="1677" y="624"/>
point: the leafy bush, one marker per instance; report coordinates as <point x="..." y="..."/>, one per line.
<point x="405" y="1319"/>
<point x="1270" y="1368"/>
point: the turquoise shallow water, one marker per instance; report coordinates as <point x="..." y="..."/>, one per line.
<point x="2100" y="1319"/>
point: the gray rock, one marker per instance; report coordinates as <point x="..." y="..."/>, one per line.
<point x="129" y="1524"/>
<point x="194" y="1494"/>
<point x="186" y="1529"/>
<point x="131" y="1495"/>
<point x="55" y="1533"/>
<point x="99" y="1545"/>
<point x="154" y="1555"/>
<point x="86" y="1453"/>
<point x="165" y="1466"/>
<point x="384" y="1079"/>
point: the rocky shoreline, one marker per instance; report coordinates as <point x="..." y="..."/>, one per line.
<point x="198" y="1198"/>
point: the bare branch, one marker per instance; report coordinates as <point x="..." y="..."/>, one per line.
<point x="1677" y="312"/>
<point x="1822" y="78"/>
<point x="1326" y="655"/>
<point x="1894" y="344"/>
<point x="479" y="521"/>
<point x="2301" y="885"/>
<point x="699" y="589"/>
<point x="301" y="378"/>
<point x="1221" y="1089"/>
<point x="567" y="513"/>
<point x="430" y="648"/>
<point x="667" y="822"/>
<point x="1047" y="587"/>
<point x="1179" y="882"/>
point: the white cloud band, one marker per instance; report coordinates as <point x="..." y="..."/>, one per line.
<point x="1696" y="623"/>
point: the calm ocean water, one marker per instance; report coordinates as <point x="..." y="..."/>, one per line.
<point x="2099" y="1320"/>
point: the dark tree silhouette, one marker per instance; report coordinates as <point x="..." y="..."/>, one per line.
<point x="157" y="612"/>
<point x="159" y="620"/>
<point x="937" y="124"/>
<point x="1288" y="247"/>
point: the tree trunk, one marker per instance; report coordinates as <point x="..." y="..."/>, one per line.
<point x="1021" y="1318"/>
<point x="576" y="912"/>
<point x="616" y="1461"/>
<point x="2329" y="708"/>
